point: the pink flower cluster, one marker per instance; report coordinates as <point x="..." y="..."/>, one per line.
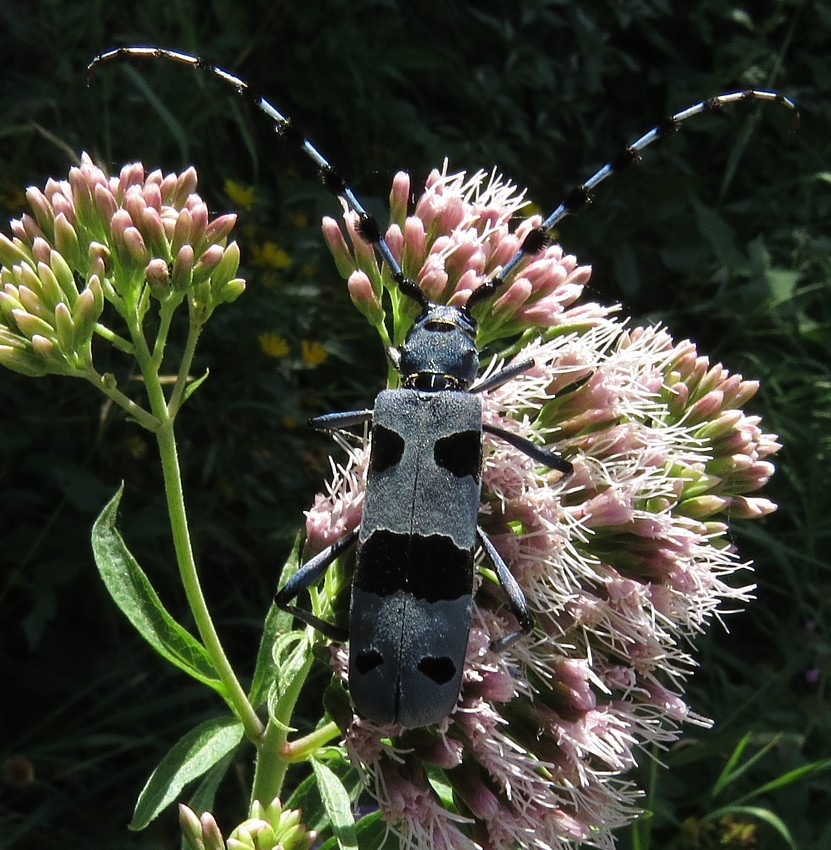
<point x="621" y="562"/>
<point x="94" y="239"/>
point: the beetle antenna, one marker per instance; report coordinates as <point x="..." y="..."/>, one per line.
<point x="579" y="197"/>
<point x="368" y="226"/>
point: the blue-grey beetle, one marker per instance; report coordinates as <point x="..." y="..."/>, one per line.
<point x="412" y="591"/>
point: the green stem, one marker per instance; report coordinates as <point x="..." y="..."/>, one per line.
<point x="181" y="540"/>
<point x="273" y="750"/>
<point x="106" y="383"/>
<point x="302" y="748"/>
<point x="114" y="339"/>
<point x="178" y="394"/>
<point x="193" y="589"/>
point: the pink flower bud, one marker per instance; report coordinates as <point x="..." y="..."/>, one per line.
<point x="399" y="197"/>
<point x="183" y="268"/>
<point x="219" y="229"/>
<point x="341" y="254"/>
<point x="364" y="297"/>
<point x="44" y="213"/>
<point x="415" y="242"/>
<point x="182" y="233"/>
<point x="130" y="175"/>
<point x="66" y="241"/>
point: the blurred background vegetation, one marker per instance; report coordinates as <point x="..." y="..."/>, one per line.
<point x="721" y="234"/>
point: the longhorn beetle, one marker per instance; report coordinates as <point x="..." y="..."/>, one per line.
<point x="412" y="591"/>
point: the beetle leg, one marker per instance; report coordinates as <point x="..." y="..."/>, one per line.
<point x="516" y="598"/>
<point x="305" y="577"/>
<point x="501" y="377"/>
<point x="543" y="456"/>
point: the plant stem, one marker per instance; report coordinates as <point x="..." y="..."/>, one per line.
<point x="107" y="386"/>
<point x="178" y="394"/>
<point x="272" y="751"/>
<point x="302" y="748"/>
<point x="193" y="589"/>
<point x="165" y="437"/>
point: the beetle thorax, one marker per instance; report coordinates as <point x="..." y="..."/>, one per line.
<point x="440" y="351"/>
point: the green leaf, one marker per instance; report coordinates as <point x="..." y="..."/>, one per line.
<point x="193" y="386"/>
<point x="292" y="653"/>
<point x="726" y="776"/>
<point x="764" y="815"/>
<point x="372" y="832"/>
<point x="338" y="806"/>
<point x="307" y="795"/>
<point x="788" y="778"/>
<point x="132" y="592"/>
<point x="192" y="756"/>
<point x="277" y="622"/>
<point x="201" y="798"/>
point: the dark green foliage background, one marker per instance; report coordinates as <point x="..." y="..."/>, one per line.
<point x="721" y="234"/>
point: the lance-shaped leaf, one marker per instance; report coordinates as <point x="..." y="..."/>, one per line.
<point x="191" y="757"/>
<point x="131" y="589"/>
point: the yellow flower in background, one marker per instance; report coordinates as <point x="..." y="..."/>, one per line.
<point x="270" y="254"/>
<point x="272" y="344"/>
<point x="312" y="353"/>
<point x="239" y="195"/>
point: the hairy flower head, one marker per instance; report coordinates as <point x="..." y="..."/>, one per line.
<point x="621" y="562"/>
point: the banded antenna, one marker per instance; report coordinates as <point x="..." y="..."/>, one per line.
<point x="575" y="200"/>
<point x="578" y="198"/>
<point x="368" y="226"/>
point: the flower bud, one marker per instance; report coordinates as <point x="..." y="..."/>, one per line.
<point x="210" y="833"/>
<point x="12" y="252"/>
<point x="130" y="175"/>
<point x="48" y="351"/>
<point x="65" y="328"/>
<point x="136" y="249"/>
<point x="66" y="242"/>
<point x="183" y="268"/>
<point x="85" y="313"/>
<point x="207" y="263"/>
<point x="701" y="507"/>
<point x="199" y="225"/>
<point x="44" y="213"/>
<point x="185" y="186"/>
<point x="226" y="268"/>
<point x="182" y="231"/>
<point x="231" y="291"/>
<point x="51" y="289"/>
<point x="158" y="278"/>
<point x="105" y="203"/>
<point x="30" y="325"/>
<point x="415" y="243"/>
<point x="22" y="361"/>
<point x="399" y="197"/>
<point x="152" y="229"/>
<point x="191" y="828"/>
<point x="364" y="298"/>
<point x="220" y="227"/>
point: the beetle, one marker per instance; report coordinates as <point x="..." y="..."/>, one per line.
<point x="412" y="590"/>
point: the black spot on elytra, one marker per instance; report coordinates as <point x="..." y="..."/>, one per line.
<point x="439" y="670"/>
<point x="460" y="454"/>
<point x="368" y="660"/>
<point x="387" y="448"/>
